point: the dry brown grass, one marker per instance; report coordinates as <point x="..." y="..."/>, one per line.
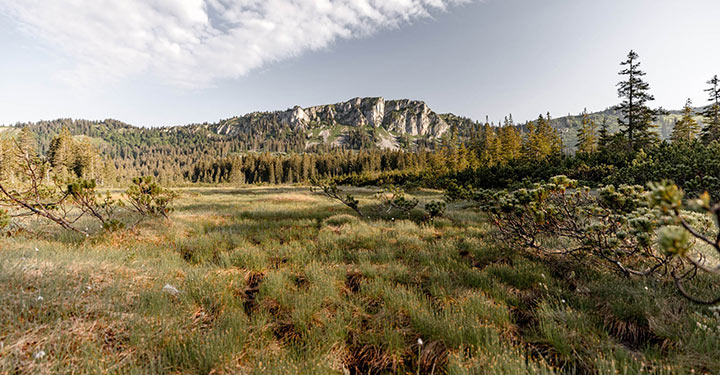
<point x="284" y="282"/>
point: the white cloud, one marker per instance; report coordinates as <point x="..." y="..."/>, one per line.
<point x="196" y="42"/>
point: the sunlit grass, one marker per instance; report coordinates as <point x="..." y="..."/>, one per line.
<point x="278" y="280"/>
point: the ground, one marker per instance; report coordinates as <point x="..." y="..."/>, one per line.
<point x="280" y="280"/>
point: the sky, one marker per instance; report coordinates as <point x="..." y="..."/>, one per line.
<point x="174" y="62"/>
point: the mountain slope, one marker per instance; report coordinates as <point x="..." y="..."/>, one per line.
<point x="360" y="123"/>
<point x="338" y="124"/>
<point x="568" y="125"/>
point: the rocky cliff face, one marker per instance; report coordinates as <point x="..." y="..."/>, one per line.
<point x="396" y="116"/>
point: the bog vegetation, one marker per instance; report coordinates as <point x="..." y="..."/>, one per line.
<point x="494" y="251"/>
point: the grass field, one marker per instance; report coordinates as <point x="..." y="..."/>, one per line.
<point x="281" y="281"/>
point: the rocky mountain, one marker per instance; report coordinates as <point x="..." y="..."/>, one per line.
<point x="397" y="116"/>
<point x="359" y="123"/>
<point x="383" y="121"/>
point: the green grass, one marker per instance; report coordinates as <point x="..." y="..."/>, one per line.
<point x="280" y="281"/>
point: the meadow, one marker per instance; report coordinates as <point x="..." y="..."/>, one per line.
<point x="278" y="280"/>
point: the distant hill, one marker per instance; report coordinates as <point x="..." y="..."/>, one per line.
<point x="568" y="125"/>
<point x="357" y="124"/>
<point x="360" y="123"/>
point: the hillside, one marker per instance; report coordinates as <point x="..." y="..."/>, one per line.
<point x="568" y="125"/>
<point x="360" y="123"/>
<point x="189" y="152"/>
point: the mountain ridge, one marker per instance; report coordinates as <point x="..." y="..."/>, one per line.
<point x="358" y="123"/>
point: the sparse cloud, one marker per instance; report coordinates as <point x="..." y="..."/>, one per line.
<point x="194" y="43"/>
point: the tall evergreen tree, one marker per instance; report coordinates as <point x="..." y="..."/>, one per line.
<point x="542" y="139"/>
<point x="686" y="129"/>
<point x="587" y="138"/>
<point x="636" y="120"/>
<point x="61" y="153"/>
<point x="603" y="135"/>
<point x="510" y="143"/>
<point x="490" y="147"/>
<point x="27" y="145"/>
<point x="711" y="114"/>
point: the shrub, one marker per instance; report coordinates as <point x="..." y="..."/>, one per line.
<point x="677" y="240"/>
<point x="149" y="198"/>
<point x="561" y="218"/>
<point x="395" y="198"/>
<point x="435" y="208"/>
<point x="635" y="231"/>
<point x="330" y="190"/>
<point x="455" y="192"/>
<point x="83" y="194"/>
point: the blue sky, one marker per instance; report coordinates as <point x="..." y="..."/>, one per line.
<point x="172" y="62"/>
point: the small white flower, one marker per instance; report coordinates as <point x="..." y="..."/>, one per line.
<point x="40" y="298"/>
<point x="170" y="289"/>
<point x="39" y="355"/>
<point x="36" y="249"/>
<point x="562" y="300"/>
<point x="420" y="342"/>
<point x="89" y="287"/>
<point x="646" y="288"/>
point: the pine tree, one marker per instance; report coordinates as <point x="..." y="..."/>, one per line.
<point x="604" y="135"/>
<point x="510" y="143"/>
<point x="636" y="117"/>
<point x="542" y="140"/>
<point x="62" y="153"/>
<point x="86" y="162"/>
<point x="509" y="121"/>
<point x="711" y="114"/>
<point x="490" y="147"/>
<point x="27" y="146"/>
<point x="587" y="141"/>
<point x="686" y="129"/>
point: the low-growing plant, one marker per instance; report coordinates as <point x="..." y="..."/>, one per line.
<point x="435" y="208"/>
<point x="392" y="199"/>
<point x="395" y="198"/>
<point x="102" y="208"/>
<point x="559" y="218"/>
<point x="678" y="239"/>
<point x="455" y="192"/>
<point x="149" y="198"/>
<point x="31" y="187"/>
<point x="330" y="190"/>
<point x="633" y="230"/>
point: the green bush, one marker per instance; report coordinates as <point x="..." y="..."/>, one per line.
<point x="149" y="198"/>
<point x="435" y="208"/>
<point x="635" y="231"/>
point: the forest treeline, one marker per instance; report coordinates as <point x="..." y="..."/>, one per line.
<point x="474" y="153"/>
